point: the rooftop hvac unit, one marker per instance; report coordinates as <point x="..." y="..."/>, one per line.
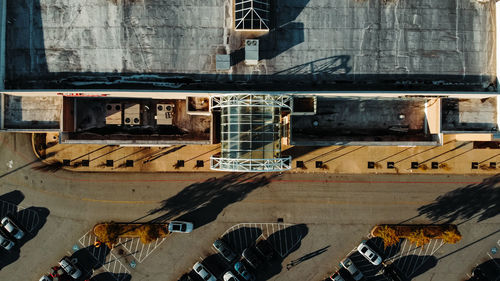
<point x="132" y="114"/>
<point x="251" y="51"/>
<point x="113" y="114"/>
<point x="164" y="113"/>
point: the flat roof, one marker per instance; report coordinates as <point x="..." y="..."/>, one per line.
<point x="346" y="120"/>
<point x="32" y="113"/>
<point x="469" y="115"/>
<point x="93" y="121"/>
<point x="321" y="44"/>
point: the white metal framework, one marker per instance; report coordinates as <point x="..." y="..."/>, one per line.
<point x="247" y="100"/>
<point x="251" y="14"/>
<point x="250" y="165"/>
<point x="250" y="133"/>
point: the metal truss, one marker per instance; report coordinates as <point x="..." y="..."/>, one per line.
<point x="251" y="14"/>
<point x="250" y="165"/>
<point x="248" y="100"/>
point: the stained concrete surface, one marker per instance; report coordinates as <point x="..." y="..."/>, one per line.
<point x="314" y="44"/>
<point x="361" y="119"/>
<point x="32" y="112"/>
<point x="469" y="114"/>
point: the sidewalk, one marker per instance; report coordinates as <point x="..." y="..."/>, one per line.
<point x="454" y="157"/>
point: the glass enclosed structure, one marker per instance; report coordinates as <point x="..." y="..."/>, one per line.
<point x="250" y="133"/>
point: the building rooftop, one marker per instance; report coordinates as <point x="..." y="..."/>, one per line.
<point x="311" y="45"/>
<point x="469" y="115"/>
<point x="353" y="120"/>
<point x="128" y="120"/>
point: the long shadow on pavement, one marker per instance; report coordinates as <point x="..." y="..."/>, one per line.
<point x="202" y="202"/>
<point x="481" y="199"/>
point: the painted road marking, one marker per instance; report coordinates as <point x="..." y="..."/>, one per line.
<point x="26" y="217"/>
<point x="282" y="236"/>
<point x="137" y="249"/>
<point x="111" y="262"/>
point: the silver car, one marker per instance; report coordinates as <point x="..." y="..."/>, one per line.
<point x="11" y="227"/>
<point x="203" y="272"/>
<point x="69" y="267"/>
<point x="180" y="226"/>
<point x="353" y="270"/>
<point x="369" y="254"/>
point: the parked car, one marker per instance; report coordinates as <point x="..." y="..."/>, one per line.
<point x="224" y="250"/>
<point x="70" y="268"/>
<point x="393" y="273"/>
<point x="487" y="271"/>
<point x="5" y="241"/>
<point x="353" y="270"/>
<point x="369" y="254"/>
<point x="242" y="270"/>
<point x="252" y="257"/>
<point x="180" y="226"/>
<point x="11" y="227"/>
<point x="203" y="272"/>
<point x="336" y="277"/>
<point x="229" y="276"/>
<point x="265" y="249"/>
<point x="45" y="278"/>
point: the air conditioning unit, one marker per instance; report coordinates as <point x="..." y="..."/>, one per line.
<point x="251" y="51"/>
<point x="164" y="113"/>
<point x="132" y="114"/>
<point x="113" y="114"/>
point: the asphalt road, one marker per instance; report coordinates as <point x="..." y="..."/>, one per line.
<point x="337" y="211"/>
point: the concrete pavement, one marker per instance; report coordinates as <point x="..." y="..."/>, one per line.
<point x="338" y="210"/>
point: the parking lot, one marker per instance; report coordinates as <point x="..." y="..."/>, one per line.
<point x="284" y="238"/>
<point x="27" y="217"/>
<point x="410" y="260"/>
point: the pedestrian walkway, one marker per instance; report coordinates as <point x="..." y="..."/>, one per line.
<point x="453" y="157"/>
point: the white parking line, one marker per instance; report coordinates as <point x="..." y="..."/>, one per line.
<point x="284" y="238"/>
<point x="26" y="217"/>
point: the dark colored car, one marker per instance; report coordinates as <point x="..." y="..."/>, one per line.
<point x="393" y="273"/>
<point x="224" y="250"/>
<point x="265" y="249"/>
<point x="487" y="271"/>
<point x="252" y="257"/>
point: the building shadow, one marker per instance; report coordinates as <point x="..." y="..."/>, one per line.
<point x="108" y="276"/>
<point x="202" y="202"/>
<point x="25" y="41"/>
<point x="481" y="199"/>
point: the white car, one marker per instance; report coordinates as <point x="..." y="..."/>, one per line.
<point x="180" y="226"/>
<point x="203" y="272"/>
<point x="5" y="242"/>
<point x="369" y="254"/>
<point x="14" y="230"/>
<point x="45" y="278"/>
<point x="353" y="270"/>
<point x="70" y="268"/>
<point x="229" y="276"/>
